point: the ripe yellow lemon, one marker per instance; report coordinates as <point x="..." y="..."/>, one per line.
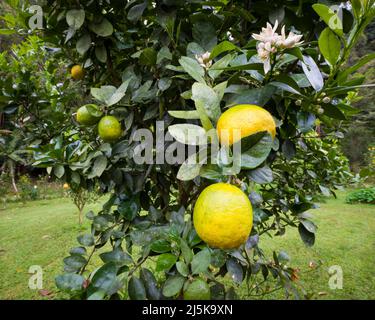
<point x="109" y="128"/>
<point x="88" y="114"/>
<point x="77" y="72"/>
<point x="248" y="119"/>
<point x="65" y="186"/>
<point x="223" y="216"/>
<point x="197" y="290"/>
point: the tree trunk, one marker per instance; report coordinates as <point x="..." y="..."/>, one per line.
<point x="12" y="175"/>
<point x="80" y="220"/>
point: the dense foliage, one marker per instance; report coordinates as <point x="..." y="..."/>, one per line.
<point x="145" y="61"/>
<point x="366" y="195"/>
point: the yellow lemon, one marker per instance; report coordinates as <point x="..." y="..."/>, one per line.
<point x="77" y="72"/>
<point x="65" y="186"/>
<point x="88" y="114"/>
<point x="109" y="128"/>
<point x="223" y="216"/>
<point x="248" y="119"/>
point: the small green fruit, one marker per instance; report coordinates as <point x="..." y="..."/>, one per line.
<point x="109" y="128"/>
<point x="197" y="290"/>
<point x="88" y="115"/>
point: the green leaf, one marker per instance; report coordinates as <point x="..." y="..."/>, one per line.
<point x="163" y="53"/>
<point x="309" y="225"/>
<point x="86" y="240"/>
<point x="118" y="94"/>
<point x="222" y="47"/>
<point x="182" y="268"/>
<point x="74" y="262"/>
<point x="100" y="164"/>
<point x="261" y="175"/>
<point x="135" y="13"/>
<point x="83" y="44"/>
<point x="165" y="261"/>
<point x="136" y="289"/>
<point x="186" y="251"/>
<point x="188" y="171"/>
<point x="359" y="64"/>
<point x="333" y="111"/>
<point x="173" y="285"/>
<point x="330" y="46"/>
<point x="187" y="133"/>
<point x="161" y="246"/>
<point x="103" y="29"/>
<point x="104" y="93"/>
<point x="312" y="73"/>
<point x="192" y="67"/>
<point x="117" y="256"/>
<point x="283" y="257"/>
<point x="217" y="67"/>
<point x="235" y="270"/>
<point x="148" y="57"/>
<point x="329" y="17"/>
<point x="257" y="96"/>
<point x="69" y="282"/>
<point x="289" y="149"/>
<point x="307" y="237"/>
<point x="104" y="278"/>
<point x="208" y="99"/>
<point x="254" y="156"/>
<point x="75" y="18"/>
<point x="101" y="53"/>
<point x="59" y="171"/>
<point x="204" y="33"/>
<point x="305" y="121"/>
<point x="150" y="283"/>
<point x="201" y="261"/>
<point x="188" y="115"/>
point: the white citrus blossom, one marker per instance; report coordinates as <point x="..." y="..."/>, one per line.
<point x="204" y="59"/>
<point x="268" y="34"/>
<point x="292" y="40"/>
<point x="270" y="42"/>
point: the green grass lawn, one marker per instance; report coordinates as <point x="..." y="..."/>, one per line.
<point x="42" y="232"/>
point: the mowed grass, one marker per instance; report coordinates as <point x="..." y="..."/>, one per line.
<point x="42" y="232"/>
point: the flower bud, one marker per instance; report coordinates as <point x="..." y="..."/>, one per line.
<point x="326" y="100"/>
<point x="299" y="102"/>
<point x="320" y="110"/>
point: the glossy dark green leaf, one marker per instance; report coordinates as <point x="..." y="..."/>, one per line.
<point x="69" y="282"/>
<point x="116" y="256"/>
<point x="173" y="285"/>
<point x="261" y="175"/>
<point x="86" y="240"/>
<point x="330" y="46"/>
<point x="307" y="237"/>
<point x="136" y="289"/>
<point x="165" y="261"/>
<point x="235" y="270"/>
<point x="201" y="261"/>
<point x="150" y="283"/>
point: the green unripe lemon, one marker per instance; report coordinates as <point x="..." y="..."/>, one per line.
<point x="197" y="290"/>
<point x="88" y="114"/>
<point x="109" y="128"/>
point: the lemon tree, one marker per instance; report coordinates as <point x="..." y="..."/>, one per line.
<point x="201" y="69"/>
